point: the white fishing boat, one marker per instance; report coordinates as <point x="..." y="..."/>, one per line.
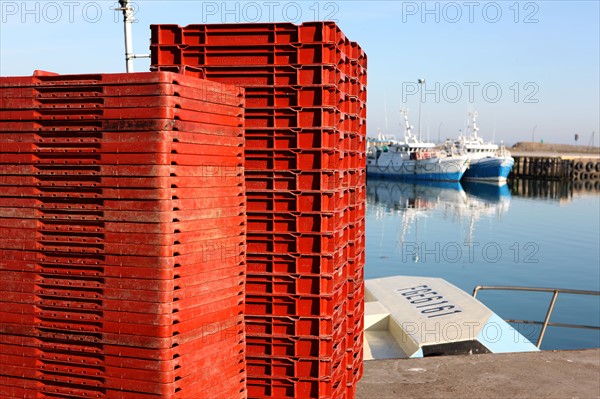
<point x="487" y="161"/>
<point x="413" y="159"/>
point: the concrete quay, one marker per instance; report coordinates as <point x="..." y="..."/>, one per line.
<point x="546" y="374"/>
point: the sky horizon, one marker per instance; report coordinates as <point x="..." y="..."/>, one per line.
<point x="530" y="69"/>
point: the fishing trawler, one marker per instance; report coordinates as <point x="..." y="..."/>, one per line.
<point x="487" y="161"/>
<point x="413" y="159"/>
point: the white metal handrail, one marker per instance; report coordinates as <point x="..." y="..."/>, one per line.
<point x="546" y="321"/>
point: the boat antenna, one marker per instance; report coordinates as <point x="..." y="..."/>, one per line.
<point x="421" y="83"/>
<point x="128" y="19"/>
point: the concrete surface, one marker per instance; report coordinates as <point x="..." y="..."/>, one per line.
<point x="546" y="374"/>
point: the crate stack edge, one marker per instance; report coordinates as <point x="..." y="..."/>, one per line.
<point x="122" y="216"/>
<point x="305" y="174"/>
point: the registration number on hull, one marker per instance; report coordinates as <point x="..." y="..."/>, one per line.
<point x="428" y="302"/>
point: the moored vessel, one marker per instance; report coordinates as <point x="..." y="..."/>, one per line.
<point x="487" y="161"/>
<point x="413" y="159"/>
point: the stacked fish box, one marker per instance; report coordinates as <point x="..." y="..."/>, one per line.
<point x="122" y="225"/>
<point x="305" y="143"/>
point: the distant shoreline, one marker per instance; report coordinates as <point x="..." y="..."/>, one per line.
<point x="559" y="149"/>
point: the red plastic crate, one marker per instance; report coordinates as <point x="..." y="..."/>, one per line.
<point x="216" y="268"/>
<point x="274" y="367"/>
<point x="296" y="201"/>
<point x="180" y="229"/>
<point x="58" y="116"/>
<point x="297" y="305"/>
<point x="305" y="139"/>
<point x="293" y="388"/>
<point x="294" y="117"/>
<point x="44" y="78"/>
<point x="292" y="96"/>
<point x="246" y="34"/>
<point x="122" y="387"/>
<point x="295" y="347"/>
<point x="116" y="327"/>
<point x="132" y="357"/>
<point x="97" y="128"/>
<point x="58" y="148"/>
<point x="222" y="55"/>
<point x="295" y="263"/>
<point x="260" y="284"/>
<point x="95" y="95"/>
<point x="101" y="105"/>
<point x="261" y="76"/>
<point x="198" y="365"/>
<point x="297" y="159"/>
<point x="304" y="243"/>
<point x="114" y="208"/>
<point x="259" y="325"/>
<point x="93" y="288"/>
<point x="294" y="180"/>
<point x="287" y="222"/>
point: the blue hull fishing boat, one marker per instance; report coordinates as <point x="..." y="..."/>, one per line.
<point x="487" y="161"/>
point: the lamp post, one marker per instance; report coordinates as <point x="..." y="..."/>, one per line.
<point x="421" y="82"/>
<point x="533" y="134"/>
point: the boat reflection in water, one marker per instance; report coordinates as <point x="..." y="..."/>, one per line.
<point x="464" y="204"/>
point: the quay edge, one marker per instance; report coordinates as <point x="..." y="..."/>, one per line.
<point x="545" y="374"/>
<point x="569" y="167"/>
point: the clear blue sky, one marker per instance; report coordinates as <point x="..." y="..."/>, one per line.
<point x="526" y="67"/>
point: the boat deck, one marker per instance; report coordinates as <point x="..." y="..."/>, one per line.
<point x="546" y="374"/>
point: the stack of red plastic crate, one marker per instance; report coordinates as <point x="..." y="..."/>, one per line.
<point x="305" y="174"/>
<point x="122" y="225"/>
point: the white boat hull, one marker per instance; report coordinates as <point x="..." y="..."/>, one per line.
<point x="422" y="316"/>
<point x="438" y="169"/>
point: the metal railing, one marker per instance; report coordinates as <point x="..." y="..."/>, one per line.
<point x="546" y="321"/>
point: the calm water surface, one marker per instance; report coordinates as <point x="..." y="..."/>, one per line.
<point x="541" y="234"/>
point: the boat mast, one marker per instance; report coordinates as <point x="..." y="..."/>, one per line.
<point x="474" y="127"/>
<point x="385" y="115"/>
<point x="407" y="126"/>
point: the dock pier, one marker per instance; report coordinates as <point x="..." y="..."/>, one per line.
<point x="577" y="168"/>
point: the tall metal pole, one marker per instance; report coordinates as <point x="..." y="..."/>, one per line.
<point x="421" y="82"/>
<point x="533" y="134"/>
<point x="127" y="21"/>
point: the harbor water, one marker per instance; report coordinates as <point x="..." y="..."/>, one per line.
<point x="526" y="233"/>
